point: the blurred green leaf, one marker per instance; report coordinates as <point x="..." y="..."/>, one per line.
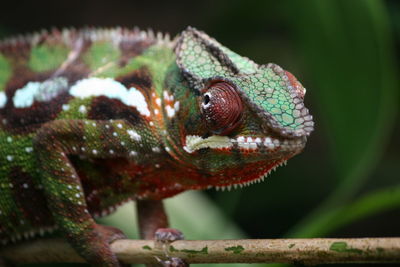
<point x="368" y="205"/>
<point x="348" y="49"/>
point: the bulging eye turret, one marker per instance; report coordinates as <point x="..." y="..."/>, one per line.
<point x="221" y="107"/>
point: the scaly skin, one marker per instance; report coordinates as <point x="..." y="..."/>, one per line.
<point x="92" y="118"/>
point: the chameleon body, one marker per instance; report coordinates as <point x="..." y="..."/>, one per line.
<point x="90" y="119"/>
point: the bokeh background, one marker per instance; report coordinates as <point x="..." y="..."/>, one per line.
<point x="347" y="181"/>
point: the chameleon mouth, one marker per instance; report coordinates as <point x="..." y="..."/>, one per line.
<point x="247" y="144"/>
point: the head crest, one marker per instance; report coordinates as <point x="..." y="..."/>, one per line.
<point x="267" y="88"/>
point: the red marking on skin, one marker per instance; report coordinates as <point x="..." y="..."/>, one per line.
<point x="104" y="108"/>
<point x="29" y="198"/>
<point x="296" y="84"/>
<point x="126" y="179"/>
<point x="119" y="179"/>
<point x="166" y="182"/>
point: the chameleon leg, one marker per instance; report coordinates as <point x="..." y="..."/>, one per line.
<point x="62" y="186"/>
<point x="153" y="224"/>
<point x="151" y="216"/>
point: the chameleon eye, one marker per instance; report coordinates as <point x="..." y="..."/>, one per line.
<point x="221" y="107"/>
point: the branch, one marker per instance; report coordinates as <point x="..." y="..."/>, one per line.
<point x="305" y="251"/>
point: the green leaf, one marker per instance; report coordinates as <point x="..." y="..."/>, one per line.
<point x="348" y="49"/>
<point x="366" y="206"/>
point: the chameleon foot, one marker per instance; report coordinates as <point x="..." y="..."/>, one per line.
<point x="165" y="236"/>
<point x="173" y="262"/>
<point x="99" y="252"/>
<point x="109" y="233"/>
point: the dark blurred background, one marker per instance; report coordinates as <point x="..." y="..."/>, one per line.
<point x="347" y="181"/>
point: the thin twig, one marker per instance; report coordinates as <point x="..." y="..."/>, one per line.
<point x="305" y="251"/>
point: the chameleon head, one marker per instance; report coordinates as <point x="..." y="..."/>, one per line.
<point x="252" y="116"/>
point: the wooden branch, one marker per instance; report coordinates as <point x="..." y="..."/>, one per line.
<point x="304" y="251"/>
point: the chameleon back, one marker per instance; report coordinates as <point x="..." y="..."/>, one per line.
<point x="38" y="84"/>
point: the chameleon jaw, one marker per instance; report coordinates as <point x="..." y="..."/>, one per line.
<point x="259" y="179"/>
<point x="195" y="142"/>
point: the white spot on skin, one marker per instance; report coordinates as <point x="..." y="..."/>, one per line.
<point x="3" y="99"/>
<point x="170" y="111"/>
<point x="166" y="96"/>
<point x="158" y="101"/>
<point x="156" y="111"/>
<point x="39" y="91"/>
<point x="253" y="146"/>
<point x="240" y="139"/>
<point x="176" y="106"/>
<point x="65" y="107"/>
<point x="111" y="89"/>
<point x="156" y="149"/>
<point x="151" y="123"/>
<point x="82" y="109"/>
<point x="134" y="135"/>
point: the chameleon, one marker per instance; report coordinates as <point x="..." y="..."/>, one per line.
<point x="92" y="118"/>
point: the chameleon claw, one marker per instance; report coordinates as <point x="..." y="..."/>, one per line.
<point x="167" y="235"/>
<point x="164" y="237"/>
<point x="172" y="262"/>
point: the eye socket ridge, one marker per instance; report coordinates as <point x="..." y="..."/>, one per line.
<point x="221" y="107"/>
